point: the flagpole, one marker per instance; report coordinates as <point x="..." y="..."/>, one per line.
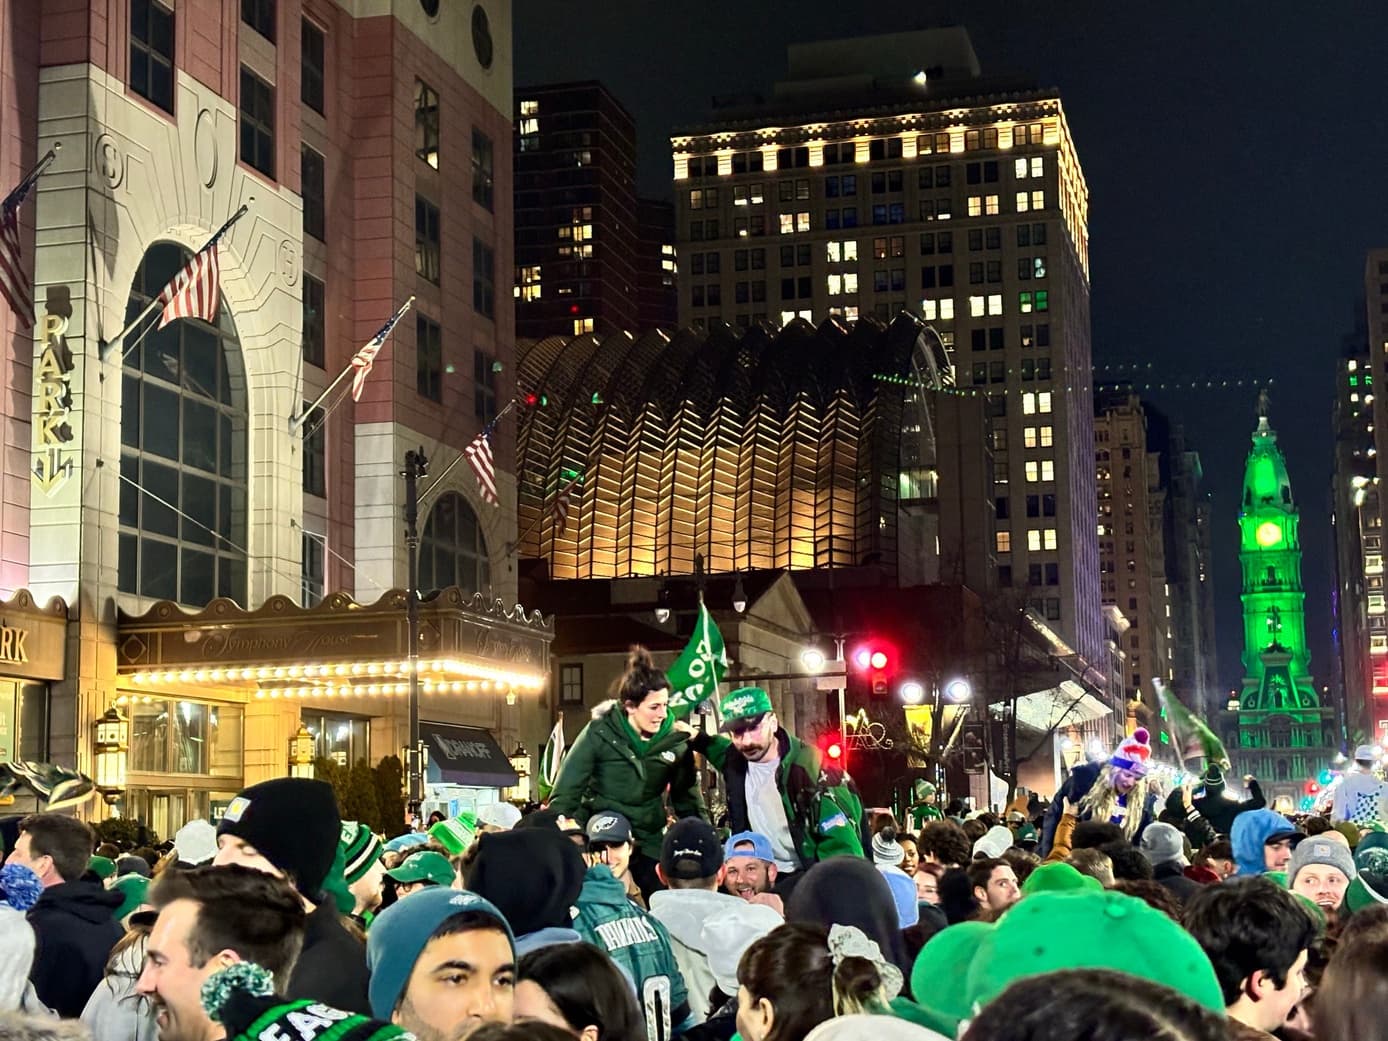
<point x="105" y="345"/>
<point x="33" y="175"/>
<point x="438" y="481"/>
<point x="295" y="422"/>
<point x="512" y="547"/>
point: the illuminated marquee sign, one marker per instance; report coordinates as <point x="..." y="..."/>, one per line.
<point x="53" y="406"/>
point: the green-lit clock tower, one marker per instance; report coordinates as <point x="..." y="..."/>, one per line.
<point x="1284" y="735"/>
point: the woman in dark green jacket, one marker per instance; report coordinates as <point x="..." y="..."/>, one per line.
<point x="626" y="758"/>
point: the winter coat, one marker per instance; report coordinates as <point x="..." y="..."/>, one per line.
<point x="1220" y="812"/>
<point x="698" y="921"/>
<point x="822" y="805"/>
<point x="1170" y="876"/>
<point x="19" y="1026"/>
<point x="1250" y="835"/>
<point x="604" y="771"/>
<point x="1197" y="830"/>
<point x="1075" y="788"/>
<point x="638" y="944"/>
<point x="74" y="930"/>
<point x="115" y="1012"/>
<point x="332" y="966"/>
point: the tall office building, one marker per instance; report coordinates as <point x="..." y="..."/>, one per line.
<point x="577" y="224"/>
<point x="1132" y="550"/>
<point x="1190" y="580"/>
<point x="657" y="299"/>
<point x="210" y="552"/>
<point x="886" y="174"/>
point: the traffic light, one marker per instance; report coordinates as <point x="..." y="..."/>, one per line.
<point x="533" y="400"/>
<point x="876" y="660"/>
<point x="832" y="749"/>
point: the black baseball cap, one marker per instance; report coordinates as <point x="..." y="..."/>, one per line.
<point x="690" y="850"/>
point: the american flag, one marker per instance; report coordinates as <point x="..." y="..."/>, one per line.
<point x="560" y="510"/>
<point x="194" y="291"/>
<point x="14" y="283"/>
<point x="363" y="359"/>
<point x="479" y="457"/>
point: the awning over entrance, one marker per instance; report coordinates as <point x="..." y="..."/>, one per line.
<point x="465" y="755"/>
<point x="33" y="639"/>
<point x="468" y="644"/>
<point x="1068" y="704"/>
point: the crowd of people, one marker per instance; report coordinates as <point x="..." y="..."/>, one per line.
<point x="619" y="912"/>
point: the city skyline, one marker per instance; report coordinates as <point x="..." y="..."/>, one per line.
<point x="1202" y="256"/>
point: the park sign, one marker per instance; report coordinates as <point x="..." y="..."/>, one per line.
<point x="695" y="674"/>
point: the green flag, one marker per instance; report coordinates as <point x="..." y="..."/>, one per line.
<point x="695" y="674"/>
<point x="1189" y="733"/>
<point x="550" y="760"/>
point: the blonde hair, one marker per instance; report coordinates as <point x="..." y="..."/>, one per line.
<point x="1100" y="803"/>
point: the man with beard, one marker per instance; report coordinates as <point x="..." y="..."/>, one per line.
<point x="749" y="869"/>
<point x="1321" y="870"/>
<point x="443" y="962"/>
<point x="210" y="918"/>
<point x="779" y="788"/>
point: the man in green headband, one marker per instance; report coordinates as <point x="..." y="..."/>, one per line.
<point x="778" y="787"/>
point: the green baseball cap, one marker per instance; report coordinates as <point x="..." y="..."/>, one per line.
<point x="132" y="890"/>
<point x="425" y="867"/>
<point x="742" y="704"/>
<point x="102" y="867"/>
<point x="941" y="969"/>
<point x="1046" y="932"/>
<point x="1059" y="878"/>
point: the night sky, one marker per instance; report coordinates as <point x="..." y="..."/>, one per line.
<point x="1237" y="160"/>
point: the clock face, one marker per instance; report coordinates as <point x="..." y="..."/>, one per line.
<point x="1269" y="534"/>
<point x="482" y="37"/>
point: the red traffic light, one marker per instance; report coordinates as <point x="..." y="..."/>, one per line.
<point x="875" y="655"/>
<point x="531" y="400"/>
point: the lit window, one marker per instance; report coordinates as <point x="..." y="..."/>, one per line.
<point x="1043" y="402"/>
<point x="975" y="206"/>
<point x="1004" y="542"/>
<point x="977" y="304"/>
<point x="1034" y="541"/>
<point x="582" y="325"/>
<point x="530" y="108"/>
<point x="1038" y="165"/>
<point x="938" y="310"/>
<point x="787" y="223"/>
<point x="1047" y="470"/>
<point x="1048" y="539"/>
<point x="995" y="304"/>
<point x="850" y="282"/>
<point x="1024" y="302"/>
<point x="1038" y="200"/>
<point x="834" y="284"/>
<point x="1023" y="201"/>
<point x="1029" y="437"/>
<point x="528" y="287"/>
<point x="1047" y="436"/>
<point x="802" y="221"/>
<point x="1029" y="404"/>
<point x="990" y="205"/>
<point x="1033" y="471"/>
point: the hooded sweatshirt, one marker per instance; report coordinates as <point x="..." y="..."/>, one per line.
<point x="640" y="946"/>
<point x="1250" y="835"/>
<point x="74" y="930"/>
<point x="704" y="923"/>
<point x="533" y="876"/>
<point x="850" y="891"/>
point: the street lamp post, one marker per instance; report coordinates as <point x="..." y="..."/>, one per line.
<point x="416" y="466"/>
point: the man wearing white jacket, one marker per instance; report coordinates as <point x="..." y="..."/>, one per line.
<point x="701" y="919"/>
<point x="1361" y="798"/>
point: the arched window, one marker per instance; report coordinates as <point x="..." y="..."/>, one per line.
<point x="183" y="441"/>
<point x="1282" y="770"/>
<point x="1280" y="732"/>
<point x="452" y="551"/>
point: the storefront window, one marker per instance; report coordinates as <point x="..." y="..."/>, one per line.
<point x="24" y="721"/>
<point x="343" y="739"/>
<point x="165" y="810"/>
<point x="183" y="452"/>
<point x="452" y="551"/>
<point x="185" y="737"/>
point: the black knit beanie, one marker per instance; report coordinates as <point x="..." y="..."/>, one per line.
<point x="533" y="876"/>
<point x="293" y="822"/>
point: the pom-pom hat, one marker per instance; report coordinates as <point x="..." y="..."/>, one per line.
<point x="1132" y="755"/>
